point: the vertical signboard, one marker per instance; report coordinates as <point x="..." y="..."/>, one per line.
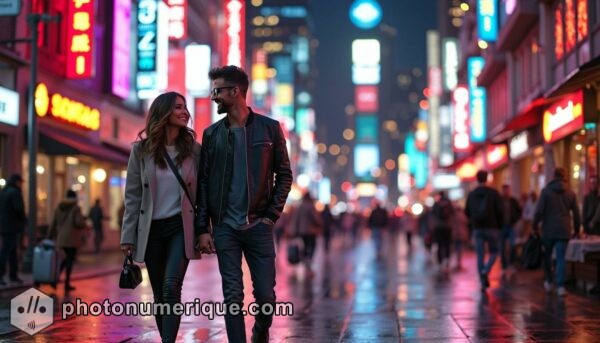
<point x="234" y="42"/>
<point x="147" y="23"/>
<point x="197" y="65"/>
<point x="80" y="39"/>
<point x="487" y="20"/>
<point x="450" y="59"/>
<point x="461" y="140"/>
<point x="177" y="19"/>
<point x="477" y="100"/>
<point x="434" y="83"/>
<point x="446" y="154"/>
<point x="121" y="76"/>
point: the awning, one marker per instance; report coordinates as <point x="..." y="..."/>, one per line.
<point x="589" y="73"/>
<point x="54" y="141"/>
<point x="529" y="117"/>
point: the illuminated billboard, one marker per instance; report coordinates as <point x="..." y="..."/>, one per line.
<point x="487" y="20"/>
<point x="147" y="28"/>
<point x="366" y="158"/>
<point x="366" y="99"/>
<point x="366" y="55"/>
<point x="366" y="129"/>
<point x="450" y="60"/>
<point x="197" y="65"/>
<point x="477" y="100"/>
<point x="80" y="39"/>
<point x="234" y="42"/>
<point x="121" y="47"/>
<point x="177" y="19"/>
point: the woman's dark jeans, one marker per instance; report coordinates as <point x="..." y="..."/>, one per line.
<point x="166" y="264"/>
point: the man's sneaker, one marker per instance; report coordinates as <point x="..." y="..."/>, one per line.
<point x="561" y="291"/>
<point x="548" y="286"/>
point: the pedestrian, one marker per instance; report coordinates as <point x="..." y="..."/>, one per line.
<point x="12" y="224"/>
<point x="511" y="213"/>
<point x="460" y="235"/>
<point x="158" y="221"/>
<point x="591" y="202"/>
<point x="528" y="214"/>
<point x="484" y="210"/>
<point x="558" y="211"/>
<point x="96" y="215"/>
<point x="378" y="222"/>
<point x="244" y="181"/>
<point x="443" y="213"/>
<point x="67" y="228"/>
<point x="328" y="222"/>
<point x="306" y="224"/>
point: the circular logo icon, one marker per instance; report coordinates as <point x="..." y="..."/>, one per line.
<point x="42" y="100"/>
<point x="365" y="14"/>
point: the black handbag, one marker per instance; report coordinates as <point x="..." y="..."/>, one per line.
<point x="131" y="275"/>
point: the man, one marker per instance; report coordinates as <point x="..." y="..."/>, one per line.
<point x="244" y="181"/>
<point x="12" y="219"/>
<point x="443" y="212"/>
<point x="590" y="204"/>
<point x="484" y="210"/>
<point x="97" y="216"/>
<point x="510" y="217"/>
<point x="557" y="209"/>
<point x="378" y="222"/>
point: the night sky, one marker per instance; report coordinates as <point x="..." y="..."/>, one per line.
<point x="335" y="34"/>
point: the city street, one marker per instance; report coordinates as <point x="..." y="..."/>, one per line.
<point x="354" y="297"/>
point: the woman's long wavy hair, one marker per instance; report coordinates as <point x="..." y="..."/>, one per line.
<point x="154" y="136"/>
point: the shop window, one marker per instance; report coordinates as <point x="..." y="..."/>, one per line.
<point x="116" y="195"/>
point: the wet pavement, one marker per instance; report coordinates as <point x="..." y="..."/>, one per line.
<point x="353" y="296"/>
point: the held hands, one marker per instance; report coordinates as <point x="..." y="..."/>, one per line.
<point x="205" y="244"/>
<point x="127" y="249"/>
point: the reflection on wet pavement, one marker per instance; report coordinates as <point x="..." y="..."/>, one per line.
<point x="354" y="296"/>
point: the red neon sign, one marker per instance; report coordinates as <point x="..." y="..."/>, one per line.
<point x="234" y="42"/>
<point x="563" y="118"/>
<point x="582" y="19"/>
<point x="460" y="133"/>
<point x="366" y="99"/>
<point x="80" y="39"/>
<point x="570" y="38"/>
<point x="559" y="47"/>
<point x="177" y="19"/>
<point x="496" y="155"/>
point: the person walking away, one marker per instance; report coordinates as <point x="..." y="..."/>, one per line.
<point x="97" y="216"/>
<point x="244" y="181"/>
<point x="460" y="235"/>
<point x="12" y="224"/>
<point x="443" y="213"/>
<point x="306" y="224"/>
<point x="158" y="221"/>
<point x="484" y="210"/>
<point x="67" y="228"/>
<point x="590" y="205"/>
<point x="328" y="222"/>
<point x="378" y="221"/>
<point x="510" y="216"/>
<point x="558" y="212"/>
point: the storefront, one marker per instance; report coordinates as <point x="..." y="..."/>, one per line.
<point x="9" y="120"/>
<point x="72" y="156"/>
<point x="496" y="159"/>
<point x="527" y="157"/>
<point x="573" y="143"/>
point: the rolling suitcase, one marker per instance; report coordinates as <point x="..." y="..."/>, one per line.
<point x="45" y="263"/>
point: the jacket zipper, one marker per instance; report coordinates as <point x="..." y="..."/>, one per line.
<point x="224" y="172"/>
<point x="247" y="178"/>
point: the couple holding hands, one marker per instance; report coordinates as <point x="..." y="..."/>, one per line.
<point x="183" y="199"/>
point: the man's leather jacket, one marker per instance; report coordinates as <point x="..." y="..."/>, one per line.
<point x="269" y="173"/>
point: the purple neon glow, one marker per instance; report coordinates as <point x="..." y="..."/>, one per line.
<point x="121" y="48"/>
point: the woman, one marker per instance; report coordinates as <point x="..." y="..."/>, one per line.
<point x="158" y="218"/>
<point x="67" y="228"/>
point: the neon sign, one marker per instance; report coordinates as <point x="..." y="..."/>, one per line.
<point x="563" y="118"/>
<point x="80" y="39"/>
<point x="477" y="99"/>
<point x="487" y="20"/>
<point x="121" y="75"/>
<point x="177" y="19"/>
<point x="234" y="44"/>
<point x="460" y="135"/>
<point x="65" y="109"/>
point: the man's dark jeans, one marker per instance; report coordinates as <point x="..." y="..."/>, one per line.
<point x="8" y="253"/>
<point x="258" y="248"/>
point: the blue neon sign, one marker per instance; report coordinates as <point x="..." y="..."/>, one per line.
<point x="487" y="20"/>
<point x="477" y="100"/>
<point x="365" y="14"/>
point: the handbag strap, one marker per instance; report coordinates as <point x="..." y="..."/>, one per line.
<point x="181" y="183"/>
<point x="129" y="259"/>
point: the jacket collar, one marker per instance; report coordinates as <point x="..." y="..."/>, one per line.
<point x="251" y="116"/>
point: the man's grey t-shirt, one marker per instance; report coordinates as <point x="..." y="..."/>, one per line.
<point x="237" y="199"/>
